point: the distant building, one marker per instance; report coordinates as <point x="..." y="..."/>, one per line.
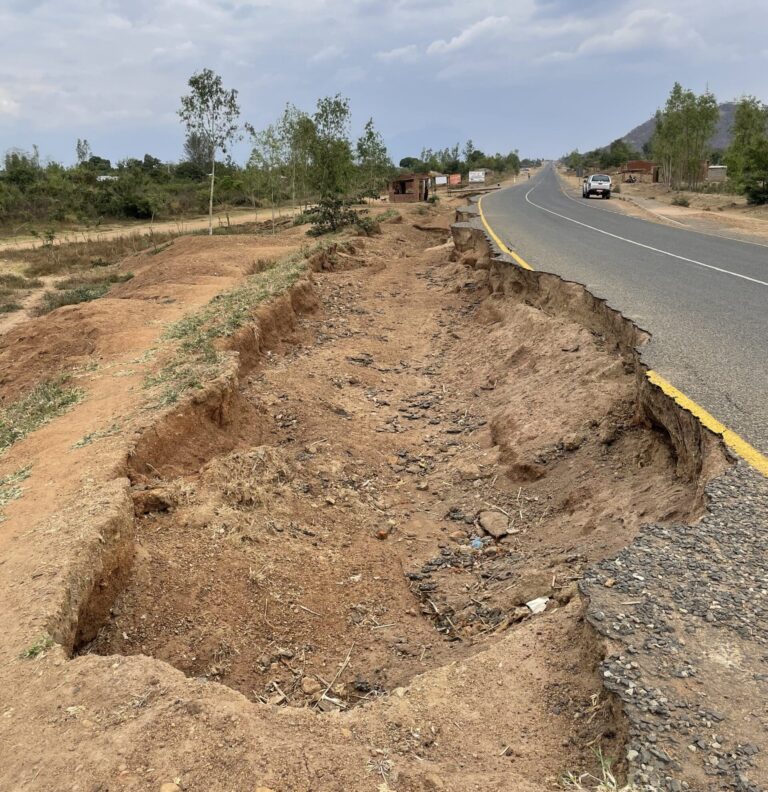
<point x="717" y="173"/>
<point x="409" y="188"/>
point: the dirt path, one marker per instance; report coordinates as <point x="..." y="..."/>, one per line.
<point x="364" y="559"/>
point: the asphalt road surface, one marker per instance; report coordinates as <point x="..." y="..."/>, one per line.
<point x="703" y="298"/>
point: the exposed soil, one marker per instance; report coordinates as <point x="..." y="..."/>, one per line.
<point x="368" y="516"/>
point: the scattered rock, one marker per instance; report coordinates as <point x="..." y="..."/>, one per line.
<point x="538" y="605"/>
<point x="310" y="686"/>
<point x="494" y="523"/>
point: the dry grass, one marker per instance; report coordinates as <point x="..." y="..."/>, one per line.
<point x="42" y="404"/>
<point x="196" y="359"/>
<point x="66" y="257"/>
<point x="605" y="782"/>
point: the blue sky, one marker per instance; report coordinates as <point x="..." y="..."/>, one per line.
<point x="542" y="76"/>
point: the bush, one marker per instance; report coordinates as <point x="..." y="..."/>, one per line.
<point x="757" y="193"/>
<point x="56" y="299"/>
<point x="680" y="200"/>
<point x="367" y="226"/>
<point x="330" y="215"/>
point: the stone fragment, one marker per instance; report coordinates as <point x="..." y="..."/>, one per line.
<point x="494" y="523"/>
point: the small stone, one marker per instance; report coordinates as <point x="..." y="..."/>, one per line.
<point x="310" y="686"/>
<point x="538" y="605"/>
<point x="494" y="523"/>
<point x="632" y="755"/>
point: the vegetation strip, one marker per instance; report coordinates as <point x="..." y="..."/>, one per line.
<point x="43" y="403"/>
<point x="197" y="359"/>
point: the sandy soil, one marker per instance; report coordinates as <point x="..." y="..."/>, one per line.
<point x="314" y="574"/>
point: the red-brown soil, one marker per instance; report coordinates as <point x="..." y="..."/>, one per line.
<point x="309" y="545"/>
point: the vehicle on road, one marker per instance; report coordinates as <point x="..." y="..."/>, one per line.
<point x="597" y="184"/>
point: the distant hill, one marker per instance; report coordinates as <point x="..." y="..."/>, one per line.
<point x="642" y="134"/>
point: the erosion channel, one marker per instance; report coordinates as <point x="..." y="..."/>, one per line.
<point x="399" y="500"/>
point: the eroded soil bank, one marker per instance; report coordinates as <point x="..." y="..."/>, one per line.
<point x="373" y="535"/>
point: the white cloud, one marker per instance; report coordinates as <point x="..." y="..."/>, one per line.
<point x="9" y="108"/>
<point x="491" y="25"/>
<point x="406" y="54"/>
<point x="331" y="52"/>
<point x="642" y="29"/>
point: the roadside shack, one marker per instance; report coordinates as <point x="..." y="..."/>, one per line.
<point x="409" y="188"/>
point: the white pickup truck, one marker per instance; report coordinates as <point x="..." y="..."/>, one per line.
<point x="597" y="184"/>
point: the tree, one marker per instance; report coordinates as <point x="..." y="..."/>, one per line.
<point x="297" y="131"/>
<point x="332" y="164"/>
<point x="748" y="137"/>
<point x="83" y="151"/>
<point x="373" y="160"/>
<point x="268" y="157"/>
<point x="210" y="111"/>
<point x="197" y="152"/>
<point x="681" y="139"/>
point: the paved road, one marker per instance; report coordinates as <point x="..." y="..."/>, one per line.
<point x="703" y="298"/>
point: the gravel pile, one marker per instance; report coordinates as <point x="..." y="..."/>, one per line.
<point x="686" y="611"/>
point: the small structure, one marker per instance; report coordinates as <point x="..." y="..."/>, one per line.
<point x="477" y="176"/>
<point x="409" y="188"/>
<point x="717" y="173"/>
<point x="454" y="180"/>
<point x="641" y="170"/>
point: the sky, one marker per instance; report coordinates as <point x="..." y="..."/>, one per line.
<point x="540" y="76"/>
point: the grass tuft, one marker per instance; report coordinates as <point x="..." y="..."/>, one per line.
<point x="10" y="489"/>
<point x="606" y="782"/>
<point x="43" y="403"/>
<point x="97" y="435"/>
<point x="38" y="648"/>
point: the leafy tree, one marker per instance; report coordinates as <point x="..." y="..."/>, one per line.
<point x="681" y="139"/>
<point x="373" y="159"/>
<point x="197" y="152"/>
<point x="82" y="151"/>
<point x="297" y="131"/>
<point x="745" y="156"/>
<point x="268" y="158"/>
<point x="210" y="111"/>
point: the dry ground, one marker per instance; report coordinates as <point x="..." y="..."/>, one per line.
<point x="314" y="575"/>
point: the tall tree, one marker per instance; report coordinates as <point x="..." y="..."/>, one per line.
<point x="211" y="111"/>
<point x="83" y="151"/>
<point x="748" y="135"/>
<point x="330" y="147"/>
<point x="373" y="160"/>
<point x="268" y="158"/>
<point x="681" y="140"/>
<point x="197" y="151"/>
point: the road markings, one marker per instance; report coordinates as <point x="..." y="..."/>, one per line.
<point x="735" y="442"/>
<point x="504" y="249"/>
<point x="641" y="244"/>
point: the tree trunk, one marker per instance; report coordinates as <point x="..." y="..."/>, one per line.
<point x="210" y="200"/>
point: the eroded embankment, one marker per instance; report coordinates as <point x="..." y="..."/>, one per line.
<point x="386" y="500"/>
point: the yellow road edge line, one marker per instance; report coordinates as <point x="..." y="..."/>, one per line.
<point x="519" y="259"/>
<point x="736" y="443"/>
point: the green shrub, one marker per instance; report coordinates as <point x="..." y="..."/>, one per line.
<point x="56" y="299"/>
<point x="367" y="226"/>
<point x="331" y="214"/>
<point x="680" y="200"/>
